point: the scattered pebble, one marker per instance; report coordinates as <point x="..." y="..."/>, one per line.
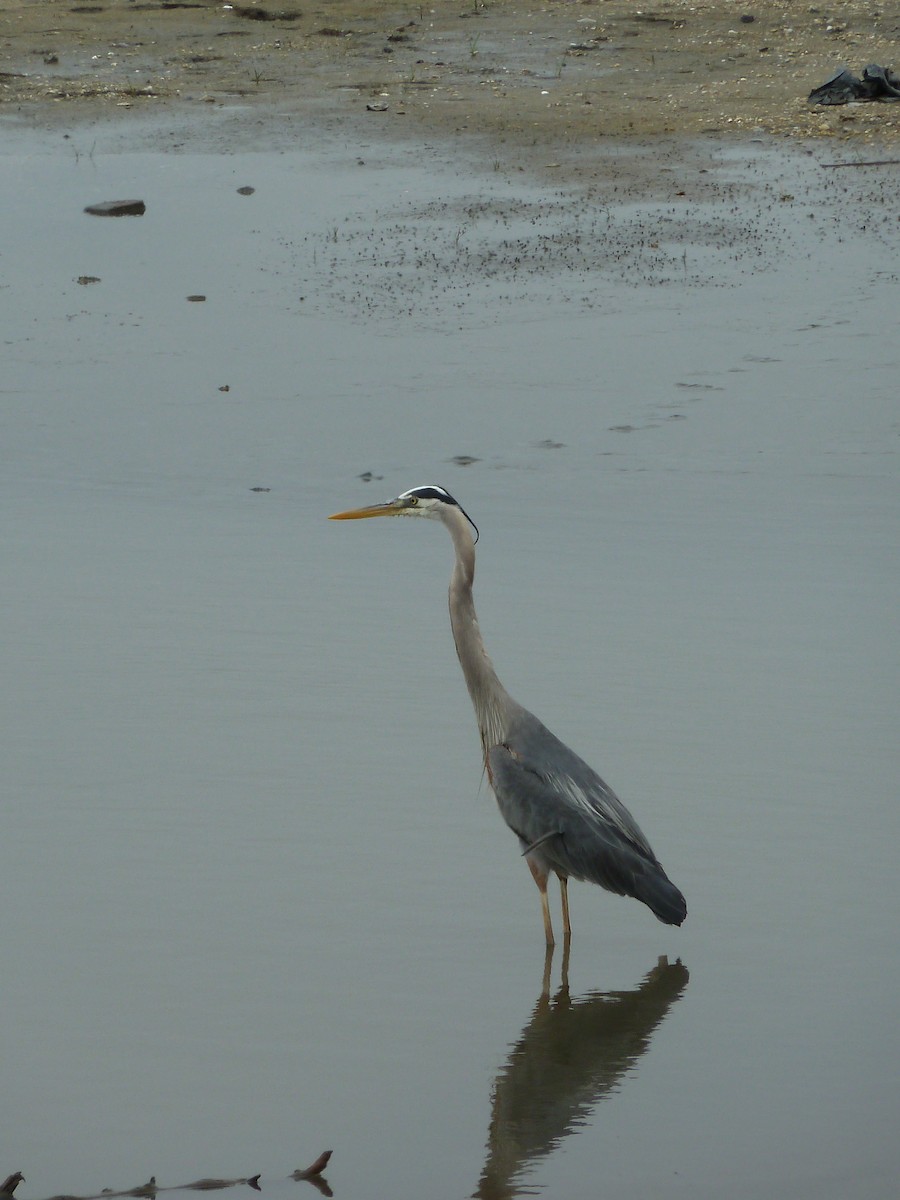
<point x="117" y="208"/>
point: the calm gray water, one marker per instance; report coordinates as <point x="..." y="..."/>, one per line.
<point x="256" y="900"/>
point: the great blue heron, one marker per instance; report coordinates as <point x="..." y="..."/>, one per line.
<point x="566" y="818"/>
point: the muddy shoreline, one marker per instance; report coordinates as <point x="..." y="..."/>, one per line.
<point x="557" y="79"/>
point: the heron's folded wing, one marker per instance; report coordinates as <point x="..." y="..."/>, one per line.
<point x="590" y="839"/>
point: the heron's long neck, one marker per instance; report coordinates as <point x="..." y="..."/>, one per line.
<point x="489" y="696"/>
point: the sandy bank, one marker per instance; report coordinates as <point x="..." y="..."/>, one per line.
<point x="561" y="74"/>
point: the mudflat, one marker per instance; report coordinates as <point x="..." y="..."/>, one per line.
<point x="534" y="74"/>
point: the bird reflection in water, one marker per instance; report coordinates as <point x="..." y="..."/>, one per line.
<point x="571" y="1054"/>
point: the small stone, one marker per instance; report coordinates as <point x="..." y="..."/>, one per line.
<point x="117" y="208"/>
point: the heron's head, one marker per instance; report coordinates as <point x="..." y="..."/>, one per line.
<point x="428" y="500"/>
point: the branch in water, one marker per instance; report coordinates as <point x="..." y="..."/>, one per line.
<point x="150" y="1189"/>
<point x="316" y="1169"/>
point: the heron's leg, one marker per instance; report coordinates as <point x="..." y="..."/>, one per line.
<point x="564" y="893"/>
<point x="540" y="878"/>
<point x="545" y="982"/>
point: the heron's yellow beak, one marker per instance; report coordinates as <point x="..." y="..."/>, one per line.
<point x="392" y="508"/>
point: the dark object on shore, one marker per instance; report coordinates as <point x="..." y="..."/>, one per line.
<point x="262" y="14"/>
<point x="10" y="1183"/>
<point x="877" y="83"/>
<point x="117" y="208"/>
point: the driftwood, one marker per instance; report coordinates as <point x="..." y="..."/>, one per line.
<point x="312" y="1174"/>
<point x="316" y="1169"/>
<point x="151" y="1188"/>
<point x="876" y="162"/>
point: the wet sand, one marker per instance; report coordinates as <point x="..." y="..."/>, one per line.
<point x="554" y="76"/>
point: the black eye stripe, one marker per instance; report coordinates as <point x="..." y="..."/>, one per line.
<point x="432" y="493"/>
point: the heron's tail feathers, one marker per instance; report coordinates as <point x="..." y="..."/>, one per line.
<point x="622" y="866"/>
<point x="662" y="897"/>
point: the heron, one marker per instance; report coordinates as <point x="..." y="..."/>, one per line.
<point x="568" y="821"/>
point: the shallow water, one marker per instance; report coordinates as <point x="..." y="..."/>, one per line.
<point x="256" y="900"/>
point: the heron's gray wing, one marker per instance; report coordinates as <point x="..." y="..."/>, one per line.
<point x="583" y="829"/>
<point x="539" y="752"/>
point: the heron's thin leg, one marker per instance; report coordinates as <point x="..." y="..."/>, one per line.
<point x="540" y="878"/>
<point x="564" y="892"/>
<point x="545" y="909"/>
<point x="548" y="963"/>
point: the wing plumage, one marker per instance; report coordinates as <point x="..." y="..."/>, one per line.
<point x="568" y="818"/>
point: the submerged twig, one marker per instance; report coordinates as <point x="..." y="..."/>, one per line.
<point x="151" y="1188"/>
<point x="210" y="1185"/>
<point x="316" y="1169"/>
<point x="877" y="162"/>
<point x="145" y="1189"/>
<point x="313" y="1174"/>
